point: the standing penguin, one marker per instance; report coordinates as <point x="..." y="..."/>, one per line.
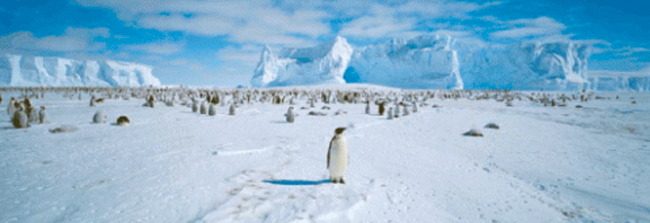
<point x="204" y="109"/>
<point x="11" y="108"/>
<point x="32" y="115"/>
<point x="232" y="110"/>
<point x="42" y="116"/>
<point x="212" y="111"/>
<point x="195" y="106"/>
<point x="381" y="108"/>
<point x="20" y="118"/>
<point x="368" y="107"/>
<point x="390" y="113"/>
<point x="290" y="115"/>
<point x="415" y="107"/>
<point x="396" y="114"/>
<point x="337" y="156"/>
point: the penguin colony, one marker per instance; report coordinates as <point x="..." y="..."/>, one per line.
<point x="396" y="104"/>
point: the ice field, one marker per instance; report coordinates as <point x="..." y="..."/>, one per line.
<point x="544" y="163"/>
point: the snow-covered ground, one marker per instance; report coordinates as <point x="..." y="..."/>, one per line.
<point x="544" y="164"/>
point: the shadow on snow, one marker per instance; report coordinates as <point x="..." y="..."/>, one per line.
<point x="297" y="182"/>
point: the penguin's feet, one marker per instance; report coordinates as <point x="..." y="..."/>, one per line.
<point x="333" y="180"/>
<point x="342" y="181"/>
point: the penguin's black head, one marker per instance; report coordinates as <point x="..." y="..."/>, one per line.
<point x="339" y="130"/>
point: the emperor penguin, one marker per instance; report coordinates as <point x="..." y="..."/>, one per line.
<point x="337" y="156"/>
<point x="100" y="117"/>
<point x="32" y="115"/>
<point x="291" y="117"/>
<point x="195" y="106"/>
<point x="19" y="118"/>
<point x="204" y="109"/>
<point x="390" y="113"/>
<point x="232" y="109"/>
<point x="123" y="121"/>
<point x="368" y="107"/>
<point x="212" y="111"/>
<point x="396" y="114"/>
<point x="11" y="108"/>
<point x="42" y="116"/>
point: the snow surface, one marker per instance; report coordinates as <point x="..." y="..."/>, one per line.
<point x="22" y="70"/>
<point x="431" y="61"/>
<point x="544" y="164"/>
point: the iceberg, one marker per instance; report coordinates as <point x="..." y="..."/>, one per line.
<point x="323" y="64"/>
<point x="22" y="70"/>
<point x="430" y="61"/>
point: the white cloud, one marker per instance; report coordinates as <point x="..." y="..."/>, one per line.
<point x="524" y="28"/>
<point x="628" y="51"/>
<point x="74" y="39"/>
<point x="243" y="21"/>
<point x="380" y="23"/>
<point x="441" y="9"/>
<point x="161" y="48"/>
<point x="246" y="55"/>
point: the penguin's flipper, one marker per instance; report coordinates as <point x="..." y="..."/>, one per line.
<point x="329" y="149"/>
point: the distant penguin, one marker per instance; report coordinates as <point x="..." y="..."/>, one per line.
<point x="11" y="108"/>
<point x="100" y="117"/>
<point x="195" y="106"/>
<point x="43" y="116"/>
<point x="150" y="101"/>
<point x="406" y="111"/>
<point x="390" y="113"/>
<point x="32" y="115"/>
<point x="337" y="156"/>
<point x="291" y="117"/>
<point x="123" y="121"/>
<point x="396" y="113"/>
<point x="232" y="110"/>
<point x="415" y="107"/>
<point x="204" y="109"/>
<point x="212" y="111"/>
<point x="381" y="108"/>
<point x="19" y="118"/>
<point x="92" y="100"/>
<point x="367" y="107"/>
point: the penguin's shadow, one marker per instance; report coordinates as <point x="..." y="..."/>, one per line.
<point x="279" y="122"/>
<point x="297" y="182"/>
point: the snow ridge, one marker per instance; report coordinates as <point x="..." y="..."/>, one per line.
<point x="22" y="70"/>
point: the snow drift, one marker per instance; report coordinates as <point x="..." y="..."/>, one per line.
<point x="430" y="61"/>
<point x="20" y="70"/>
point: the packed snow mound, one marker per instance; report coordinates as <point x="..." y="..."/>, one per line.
<point x="431" y="61"/>
<point x="21" y="70"/>
<point x="601" y="80"/>
<point x="323" y="64"/>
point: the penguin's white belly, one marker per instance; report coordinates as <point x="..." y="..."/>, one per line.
<point x="338" y="159"/>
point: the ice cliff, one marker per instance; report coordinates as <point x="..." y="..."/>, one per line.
<point x="430" y="61"/>
<point x="21" y="70"/>
<point x="322" y="64"/>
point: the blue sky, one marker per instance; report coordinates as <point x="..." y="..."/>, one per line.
<point x="201" y="42"/>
